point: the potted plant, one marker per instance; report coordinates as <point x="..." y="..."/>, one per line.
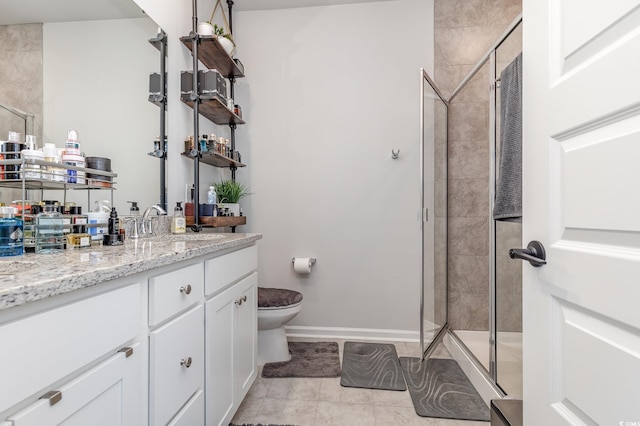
<point x="224" y="38"/>
<point x="229" y="193"/>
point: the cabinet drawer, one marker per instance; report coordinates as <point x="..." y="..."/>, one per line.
<point x="43" y="348"/>
<point x="223" y="270"/>
<point x="106" y="395"/>
<point x="176" y="370"/>
<point x="174" y="292"/>
<point x="192" y="414"/>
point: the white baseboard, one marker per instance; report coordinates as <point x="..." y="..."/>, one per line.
<point x="353" y="333"/>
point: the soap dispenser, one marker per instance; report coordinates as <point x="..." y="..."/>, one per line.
<point x="179" y="223"/>
<point x="134" y="210"/>
<point x="113" y="234"/>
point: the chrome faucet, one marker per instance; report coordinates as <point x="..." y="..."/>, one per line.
<point x="146" y="227"/>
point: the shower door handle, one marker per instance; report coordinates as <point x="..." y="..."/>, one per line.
<point x="534" y="253"/>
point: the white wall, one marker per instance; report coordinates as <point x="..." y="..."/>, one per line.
<point x="96" y="79"/>
<point x="329" y="92"/>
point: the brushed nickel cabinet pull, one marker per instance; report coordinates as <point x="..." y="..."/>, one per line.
<point x="186" y="362"/>
<point x="53" y="396"/>
<point x="186" y="289"/>
<point x="128" y="351"/>
<point x="240" y="300"/>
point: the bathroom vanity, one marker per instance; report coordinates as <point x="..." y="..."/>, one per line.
<point x="160" y="331"/>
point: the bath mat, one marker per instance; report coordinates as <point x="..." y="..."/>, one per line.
<point x="308" y="359"/>
<point x="439" y="388"/>
<point x="371" y="366"/>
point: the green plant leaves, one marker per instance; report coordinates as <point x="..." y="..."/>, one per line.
<point x="230" y="191"/>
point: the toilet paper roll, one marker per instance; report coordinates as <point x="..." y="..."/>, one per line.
<point x="302" y="265"/>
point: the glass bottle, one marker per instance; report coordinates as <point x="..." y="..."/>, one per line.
<point x="49" y="230"/>
<point x="10" y="232"/>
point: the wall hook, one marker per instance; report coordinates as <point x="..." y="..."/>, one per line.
<point x="395" y="154"/>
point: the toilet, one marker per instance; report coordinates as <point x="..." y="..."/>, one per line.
<point x="276" y="307"/>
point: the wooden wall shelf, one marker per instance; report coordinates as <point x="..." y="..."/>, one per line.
<point x="213" y="56"/>
<point x="216" y="111"/>
<point x="216" y="160"/>
<point x="219" y="221"/>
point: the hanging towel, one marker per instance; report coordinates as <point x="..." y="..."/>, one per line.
<point x="508" y="203"/>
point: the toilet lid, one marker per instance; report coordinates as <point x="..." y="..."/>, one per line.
<point x="277" y="297"/>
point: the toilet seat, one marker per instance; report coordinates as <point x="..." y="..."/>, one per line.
<point x="276" y="307"/>
<point x="277" y="298"/>
<point x="279" y="308"/>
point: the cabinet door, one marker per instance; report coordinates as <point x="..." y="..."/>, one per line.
<point x="246" y="336"/>
<point x="192" y="414"/>
<point x="219" y="314"/>
<point x="176" y="370"/>
<point x="109" y="394"/>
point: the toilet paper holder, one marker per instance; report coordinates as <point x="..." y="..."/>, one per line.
<point x="311" y="259"/>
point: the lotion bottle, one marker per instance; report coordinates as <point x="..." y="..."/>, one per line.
<point x="179" y="223"/>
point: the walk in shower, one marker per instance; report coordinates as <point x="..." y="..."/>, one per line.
<point x="472" y="297"/>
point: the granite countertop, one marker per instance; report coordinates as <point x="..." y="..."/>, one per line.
<point x="32" y="277"/>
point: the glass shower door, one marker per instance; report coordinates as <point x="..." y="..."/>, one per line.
<point x="433" y="183"/>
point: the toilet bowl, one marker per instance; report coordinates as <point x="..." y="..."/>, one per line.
<point x="276" y="307"/>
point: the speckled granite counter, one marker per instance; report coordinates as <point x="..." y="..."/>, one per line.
<point x="31" y="277"/>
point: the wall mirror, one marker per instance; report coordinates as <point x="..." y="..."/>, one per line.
<point x="85" y="65"/>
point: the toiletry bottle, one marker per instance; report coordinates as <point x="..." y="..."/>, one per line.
<point x="134" y="210"/>
<point x="113" y="225"/>
<point x="204" y="142"/>
<point x="179" y="223"/>
<point x="78" y="238"/>
<point x="211" y="195"/>
<point x="10" y="232"/>
<point x="49" y="230"/>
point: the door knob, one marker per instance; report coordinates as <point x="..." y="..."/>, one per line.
<point x="534" y="253"/>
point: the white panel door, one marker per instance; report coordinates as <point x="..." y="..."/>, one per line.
<point x="246" y="336"/>
<point x="220" y="354"/>
<point x="581" y="154"/>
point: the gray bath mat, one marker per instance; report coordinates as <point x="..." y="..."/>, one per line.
<point x="371" y="366"/>
<point x="439" y="388"/>
<point x="308" y="359"/>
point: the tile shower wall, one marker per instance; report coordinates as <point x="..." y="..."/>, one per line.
<point x="20" y="82"/>
<point x="21" y="72"/>
<point x="464" y="31"/>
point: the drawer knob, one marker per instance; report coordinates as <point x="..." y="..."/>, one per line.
<point x="186" y="289"/>
<point x="186" y="362"/>
<point x="242" y="299"/>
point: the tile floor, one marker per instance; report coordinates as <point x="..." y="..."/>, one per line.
<point x="322" y="401"/>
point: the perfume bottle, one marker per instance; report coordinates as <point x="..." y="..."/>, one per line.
<point x="49" y="230"/>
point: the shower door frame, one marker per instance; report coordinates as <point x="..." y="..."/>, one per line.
<point x="490" y="56"/>
<point x="424" y="217"/>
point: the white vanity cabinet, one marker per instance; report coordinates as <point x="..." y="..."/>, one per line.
<point x="174" y="345"/>
<point x="81" y="340"/>
<point x="231" y="332"/>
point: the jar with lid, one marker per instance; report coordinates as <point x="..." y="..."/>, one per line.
<point x="10" y="232"/>
<point x="50" y="236"/>
<point x="32" y="168"/>
<point x="74" y="175"/>
<point x="53" y="172"/>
